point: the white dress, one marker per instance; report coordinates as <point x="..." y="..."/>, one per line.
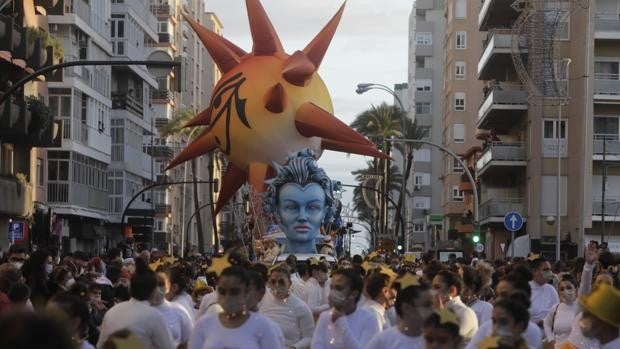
<point x="178" y="321"/>
<point x="317" y="296"/>
<point x="256" y="333"/>
<point x="293" y="316"/>
<point x="351" y="331"/>
<point x="209" y="305"/>
<point x="559" y="321"/>
<point x="392" y="338"/>
<point x="185" y="300"/>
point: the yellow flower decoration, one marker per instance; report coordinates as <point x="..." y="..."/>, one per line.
<point x="156" y="265"/>
<point x="490" y="342"/>
<point x="447" y="316"/>
<point x="219" y="264"/>
<point x="372" y="255"/>
<point x="170" y="260"/>
<point x="275" y="266"/>
<point x="533" y="257"/>
<point x="408" y="280"/>
<point x="366" y="266"/>
<point x="388" y="272"/>
<point x="313" y="261"/>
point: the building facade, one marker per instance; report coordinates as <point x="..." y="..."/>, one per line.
<point x="426" y="51"/>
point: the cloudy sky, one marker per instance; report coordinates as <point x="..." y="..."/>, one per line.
<point x="369" y="46"/>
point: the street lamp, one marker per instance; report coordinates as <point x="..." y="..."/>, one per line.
<point x="558" y="233"/>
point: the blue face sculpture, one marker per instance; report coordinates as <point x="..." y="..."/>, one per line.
<point x="301" y="197"/>
<point x="300" y="212"/>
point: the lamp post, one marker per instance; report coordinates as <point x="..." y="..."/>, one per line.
<point x="558" y="234"/>
<point x="188" y="224"/>
<point x="363" y="88"/>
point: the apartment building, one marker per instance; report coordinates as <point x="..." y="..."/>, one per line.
<point x="462" y="93"/>
<point x="535" y="120"/>
<point x="77" y="171"/>
<point x="426" y="51"/>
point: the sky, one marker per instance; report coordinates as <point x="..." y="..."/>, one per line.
<point x="370" y="45"/>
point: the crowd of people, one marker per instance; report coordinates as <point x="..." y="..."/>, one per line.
<point x="149" y="300"/>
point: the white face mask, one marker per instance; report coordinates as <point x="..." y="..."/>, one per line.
<point x="337" y="298"/>
<point x="568" y="295"/>
<point x="69" y="283"/>
<point x="503" y="331"/>
<point x="49" y="268"/>
<point x="547" y="275"/>
<point x="18" y="265"/>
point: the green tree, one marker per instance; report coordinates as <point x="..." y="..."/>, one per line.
<point x="175" y="128"/>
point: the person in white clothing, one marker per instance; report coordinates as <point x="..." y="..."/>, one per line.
<point x="317" y="289"/>
<point x="345" y="325"/>
<point x="558" y="322"/>
<point x="176" y="290"/>
<point x="137" y="315"/>
<point x="414" y="304"/>
<point x="472" y="288"/>
<point x="178" y="320"/>
<point x="510" y="320"/>
<point x="299" y="281"/>
<point x="544" y="295"/>
<point x="601" y="316"/>
<point x="235" y="327"/>
<point x="208" y="305"/>
<point x="514" y="284"/>
<point x="441" y="330"/>
<point x="291" y="314"/>
<point x="447" y="286"/>
<point x="381" y="296"/>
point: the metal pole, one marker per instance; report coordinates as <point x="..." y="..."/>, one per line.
<point x="558" y="188"/>
<point x="183" y="232"/>
<point x="190" y="220"/>
<point x="152" y="181"/>
<point x="604" y="184"/>
<point x="512" y="244"/>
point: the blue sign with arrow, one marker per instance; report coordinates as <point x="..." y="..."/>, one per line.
<point x="513" y="221"/>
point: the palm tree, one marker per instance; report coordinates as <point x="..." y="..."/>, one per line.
<point x="410" y="131"/>
<point x="365" y="213"/>
<point x="175" y="127"/>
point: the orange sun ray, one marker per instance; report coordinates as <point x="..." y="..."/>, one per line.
<point x="264" y="36"/>
<point x="202" y="119"/>
<point x="231" y="182"/>
<point x="204" y="144"/>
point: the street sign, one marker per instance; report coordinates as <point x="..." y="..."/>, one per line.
<point x="513" y="221"/>
<point x="16" y="231"/>
<point x="479" y="247"/>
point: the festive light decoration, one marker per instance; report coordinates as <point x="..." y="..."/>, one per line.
<point x="408" y="280"/>
<point x="219" y="264"/>
<point x="267" y="105"/>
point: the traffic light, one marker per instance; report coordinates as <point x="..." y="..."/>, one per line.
<point x="476" y="237"/>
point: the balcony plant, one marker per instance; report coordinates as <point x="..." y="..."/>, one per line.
<point x="41" y="116"/>
<point x="47" y="40"/>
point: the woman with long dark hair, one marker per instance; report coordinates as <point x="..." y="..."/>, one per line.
<point x="75" y="311"/>
<point x="37" y="271"/>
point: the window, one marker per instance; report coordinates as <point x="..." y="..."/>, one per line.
<point x="458" y="133"/>
<point x="423" y="108"/>
<point x="424" y="85"/>
<point x="556" y="78"/>
<point x="418" y="227"/>
<point x="457" y="195"/>
<point x="456" y="166"/>
<point x="607" y="70"/>
<point x="460" y="9"/>
<point x="162" y="27"/>
<point x="550" y="129"/>
<point x="422" y="202"/>
<point x="6" y="165"/>
<point x="459" y="70"/>
<point x="549" y="196"/>
<point x="550" y="138"/>
<point x="459" y="101"/>
<point x="420" y="179"/>
<point x="606" y="127"/>
<point x="40" y="171"/>
<point x="422" y="155"/>
<point x="461" y="40"/>
<point x="424" y="39"/>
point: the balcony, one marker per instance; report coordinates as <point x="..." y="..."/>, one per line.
<point x="501" y="158"/>
<point x="163" y="11"/>
<point x="423" y="50"/>
<point x="606" y="88"/>
<point x="122" y="100"/>
<point x="424" y="5"/>
<point x="163" y="209"/>
<point x="497" y="55"/>
<point x="607" y="145"/>
<point x="16" y="197"/>
<point x="611" y="208"/>
<point x="161" y="122"/>
<point x="607" y="26"/>
<point x="494" y="210"/>
<point x="466" y="187"/>
<point x="163" y="178"/>
<point x="162" y="96"/>
<point x="159" y="151"/>
<point x="503" y="105"/>
<point x="496" y="13"/>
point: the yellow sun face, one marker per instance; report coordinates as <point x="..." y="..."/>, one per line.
<point x="267" y="105"/>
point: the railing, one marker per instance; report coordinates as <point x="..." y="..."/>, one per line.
<point x="78" y="7"/>
<point x="607" y="87"/>
<point x="165" y="37"/>
<point x="500" y="151"/>
<point x="612" y="205"/>
<point x="504" y="94"/>
<point x="57" y="192"/>
<point x="498" y="207"/>
<point x="608" y="144"/>
<point x="163" y="10"/>
<point x="162" y="94"/>
<point x="122" y="100"/>
<point x="608" y="22"/>
<point x="484" y="9"/>
<point x="163" y="208"/>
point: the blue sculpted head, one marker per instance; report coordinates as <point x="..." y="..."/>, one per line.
<point x="301" y="197"/>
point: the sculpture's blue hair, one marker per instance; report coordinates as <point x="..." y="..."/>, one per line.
<point x="301" y="168"/>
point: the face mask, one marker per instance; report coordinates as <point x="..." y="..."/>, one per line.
<point x="69" y="283"/>
<point x="337" y="298"/>
<point x="231" y="305"/>
<point x="547" y="275"/>
<point x="95" y="298"/>
<point x="503" y="331"/>
<point x="18" y="265"/>
<point x="568" y="295"/>
<point x="425" y="312"/>
<point x="322" y="277"/>
<point x="49" y="268"/>
<point x="279" y="292"/>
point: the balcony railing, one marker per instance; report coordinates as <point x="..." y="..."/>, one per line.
<point x="162" y="10"/>
<point x="612" y="205"/>
<point x="162" y="95"/>
<point x="606" y="86"/>
<point x="16" y="197"/>
<point x="608" y="144"/>
<point x="505" y="97"/>
<point x="163" y="208"/>
<point x="499" y="41"/>
<point x="159" y="151"/>
<point x="122" y="100"/>
<point x="497" y="207"/>
<point x="607" y="22"/>
<point x="500" y="151"/>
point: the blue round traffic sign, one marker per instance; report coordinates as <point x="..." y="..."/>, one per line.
<point x="513" y="221"/>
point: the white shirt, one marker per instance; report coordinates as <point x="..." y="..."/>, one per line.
<point x="317" y="296"/>
<point x="467" y="317"/>
<point x="351" y="331"/>
<point x="577" y="338"/>
<point x="483" y="310"/>
<point x="532" y="335"/>
<point x="392" y="338"/>
<point x="186" y="301"/>
<point x="559" y="321"/>
<point x="298" y="288"/>
<point x="178" y="321"/>
<point x="378" y="311"/>
<point x="293" y="316"/>
<point x="256" y="333"/>
<point x="543" y="298"/>
<point x="209" y="305"/>
<point x="144" y="321"/>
